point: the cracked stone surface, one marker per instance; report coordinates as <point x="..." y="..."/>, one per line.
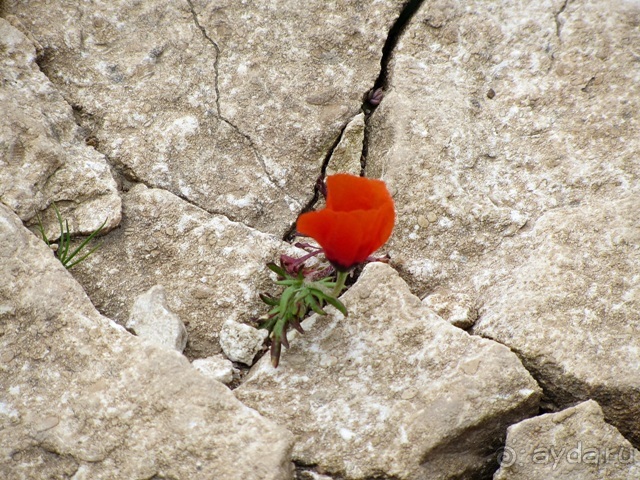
<point x="212" y="268"/>
<point x="571" y="309"/>
<point x="211" y="101"/>
<point x="402" y="394"/>
<point x="574" y="444"/>
<point x="43" y="158"/>
<point x="508" y="135"/>
<point x="512" y="177"/>
<point x="82" y="398"/>
<point x="492" y="119"/>
<point x="345" y="158"/>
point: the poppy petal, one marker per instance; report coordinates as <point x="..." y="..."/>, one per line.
<point x="358" y="219"/>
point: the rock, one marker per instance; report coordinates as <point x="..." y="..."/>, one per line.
<point x="346" y="156"/>
<point x="203" y="100"/>
<point x="43" y="158"/>
<point x="211" y="267"/>
<point x="311" y="475"/>
<point x="574" y="444"/>
<point x="82" y="398"/>
<point x="455" y="308"/>
<point x="152" y="320"/>
<point x="240" y="342"/>
<point x="485" y="166"/>
<point x="571" y="310"/>
<point x="216" y="367"/>
<point x="402" y="394"/>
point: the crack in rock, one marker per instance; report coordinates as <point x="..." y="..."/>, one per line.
<point x="252" y="145"/>
<point x="395" y="33"/>
<point x="291" y="231"/>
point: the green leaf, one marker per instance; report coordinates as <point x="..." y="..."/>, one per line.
<point x="284" y="299"/>
<point x="81" y="258"/>
<point x="337" y="303"/>
<point x="42" y="232"/>
<point x="84" y="244"/>
<point x="278" y="270"/>
<point x="268" y="299"/>
<point x="314" y="305"/>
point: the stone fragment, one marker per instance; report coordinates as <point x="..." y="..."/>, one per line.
<point x="456" y="308"/>
<point x="241" y="342"/>
<point x="152" y="320"/>
<point x="216" y="367"/>
<point x="43" y="158"/>
<point x="571" y="309"/>
<point x="232" y="106"/>
<point x="574" y="444"/>
<point x="212" y="268"/>
<point x="347" y="154"/>
<point x="409" y="396"/>
<point x="84" y="399"/>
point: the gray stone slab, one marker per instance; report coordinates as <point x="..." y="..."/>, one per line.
<point x="392" y="390"/>
<point x="80" y="397"/>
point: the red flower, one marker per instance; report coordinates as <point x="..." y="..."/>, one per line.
<point x="357" y="220"/>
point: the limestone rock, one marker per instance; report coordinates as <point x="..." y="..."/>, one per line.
<point x="230" y="105"/>
<point x="392" y="390"/>
<point x="571" y="310"/>
<point x="574" y="444"/>
<point x="152" y="320"/>
<point x="241" y="342"/>
<point x="347" y="154"/>
<point x="84" y="399"/>
<point x="216" y="367"/>
<point x="456" y="308"/>
<point x="496" y="113"/>
<point x="43" y="158"/>
<point x="211" y="267"/>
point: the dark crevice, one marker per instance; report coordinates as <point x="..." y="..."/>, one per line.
<point x="396" y="31"/>
<point x="291" y="231"/>
<point x="382" y="82"/>
<point x="368" y="106"/>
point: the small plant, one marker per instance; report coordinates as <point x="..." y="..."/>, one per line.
<point x="61" y="249"/>
<point x="303" y="292"/>
<point x="357" y="220"/>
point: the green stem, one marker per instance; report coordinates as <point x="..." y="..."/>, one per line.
<point x="342" y="277"/>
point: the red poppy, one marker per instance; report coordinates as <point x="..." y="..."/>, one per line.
<point x="357" y="220"/>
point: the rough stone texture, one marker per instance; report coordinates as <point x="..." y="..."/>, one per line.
<point x="212" y="268"/>
<point x="241" y="342"/>
<point x="401" y="394"/>
<point x="82" y="398"/>
<point x="575" y="444"/>
<point x="216" y="367"/>
<point x="500" y="120"/>
<point x="508" y="136"/>
<point x="152" y="320"/>
<point x="571" y="310"/>
<point x="346" y="157"/>
<point x="230" y="105"/>
<point x="496" y="113"/>
<point x="43" y="158"/>
<point x="455" y="308"/>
